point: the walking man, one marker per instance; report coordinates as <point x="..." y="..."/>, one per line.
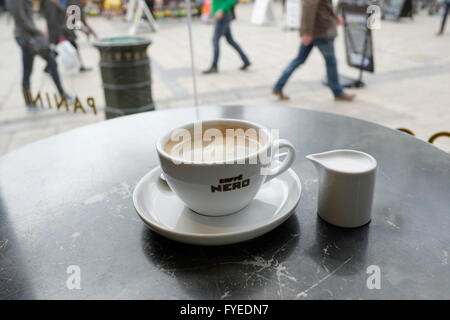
<point x="318" y="29"/>
<point x="223" y="12"/>
<point x="32" y="42"/>
<point x="444" y="17"/>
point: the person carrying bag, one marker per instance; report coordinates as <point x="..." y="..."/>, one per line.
<point x="32" y="42"/>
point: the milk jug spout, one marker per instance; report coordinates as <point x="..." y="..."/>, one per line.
<point x="317" y="159"/>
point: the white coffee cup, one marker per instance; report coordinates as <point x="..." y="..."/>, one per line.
<point x="217" y="188"/>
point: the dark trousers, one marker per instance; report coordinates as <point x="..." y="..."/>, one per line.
<point x="444" y="17"/>
<point x="28" y="61"/>
<point x="222" y="28"/>
<point x="326" y="47"/>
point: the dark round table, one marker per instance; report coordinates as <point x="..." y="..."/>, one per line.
<point x="66" y="210"/>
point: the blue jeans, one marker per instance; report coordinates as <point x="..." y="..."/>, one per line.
<point x="28" y="61"/>
<point x="326" y="47"/>
<point x="222" y="28"/>
<point x="444" y="17"/>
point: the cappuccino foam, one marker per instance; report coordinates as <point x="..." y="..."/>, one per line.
<point x="216" y="143"/>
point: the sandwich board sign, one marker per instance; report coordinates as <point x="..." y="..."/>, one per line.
<point x="395" y="9"/>
<point x="262" y="12"/>
<point x="358" y="40"/>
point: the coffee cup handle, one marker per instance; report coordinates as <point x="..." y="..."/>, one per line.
<point x="286" y="163"/>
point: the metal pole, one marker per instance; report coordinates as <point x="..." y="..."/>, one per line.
<point x="191" y="46"/>
<point x="366" y="39"/>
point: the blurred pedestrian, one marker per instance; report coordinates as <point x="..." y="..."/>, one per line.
<point x="56" y="16"/>
<point x="222" y="10"/>
<point x="318" y="29"/>
<point x="444" y="17"/>
<point x="71" y="35"/>
<point x="32" y="42"/>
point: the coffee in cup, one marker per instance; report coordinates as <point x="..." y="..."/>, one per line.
<point x="216" y="167"/>
<point x="217" y="143"/>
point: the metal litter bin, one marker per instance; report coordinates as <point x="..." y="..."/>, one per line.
<point x="126" y="75"/>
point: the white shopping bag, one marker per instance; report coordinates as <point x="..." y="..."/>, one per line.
<point x="67" y="57"/>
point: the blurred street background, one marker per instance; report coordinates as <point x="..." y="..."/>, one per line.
<point x="410" y="87"/>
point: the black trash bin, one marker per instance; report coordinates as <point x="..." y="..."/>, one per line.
<point x="126" y="75"/>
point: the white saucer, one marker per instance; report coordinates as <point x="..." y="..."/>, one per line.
<point x="164" y="213"/>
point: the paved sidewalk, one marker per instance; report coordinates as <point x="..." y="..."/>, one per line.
<point x="410" y="87"/>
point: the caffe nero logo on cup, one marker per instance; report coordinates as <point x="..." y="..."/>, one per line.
<point x="229" y="184"/>
<point x="219" y="144"/>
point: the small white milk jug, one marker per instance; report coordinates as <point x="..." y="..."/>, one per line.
<point x="346" y="186"/>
